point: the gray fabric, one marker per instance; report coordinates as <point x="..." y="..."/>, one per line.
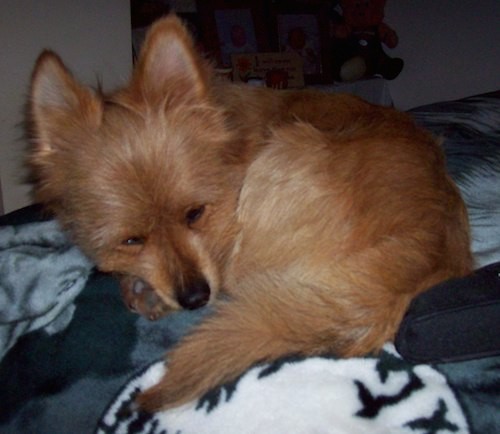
<point x="41" y="273"/>
<point x="470" y="134"/>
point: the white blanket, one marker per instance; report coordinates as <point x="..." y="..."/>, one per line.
<point x="384" y="395"/>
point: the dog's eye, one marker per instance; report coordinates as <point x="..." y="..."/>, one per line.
<point x="133" y="241"/>
<point x="194" y="214"/>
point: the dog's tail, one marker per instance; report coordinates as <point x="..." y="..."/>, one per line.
<point x="270" y="321"/>
<point x="239" y="334"/>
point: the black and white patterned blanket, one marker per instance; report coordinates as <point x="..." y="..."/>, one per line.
<point x="314" y="395"/>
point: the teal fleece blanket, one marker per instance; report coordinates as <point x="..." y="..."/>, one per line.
<point x="41" y="273"/>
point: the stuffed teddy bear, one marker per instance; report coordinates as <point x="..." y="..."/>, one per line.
<point x="358" y="35"/>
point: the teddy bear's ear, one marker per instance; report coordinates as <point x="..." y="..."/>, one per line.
<point x="169" y="64"/>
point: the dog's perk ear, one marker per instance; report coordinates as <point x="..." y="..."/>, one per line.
<point x="56" y="97"/>
<point x="169" y="64"/>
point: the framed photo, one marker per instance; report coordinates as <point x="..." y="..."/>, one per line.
<point x="274" y="70"/>
<point x="304" y="30"/>
<point x="233" y="27"/>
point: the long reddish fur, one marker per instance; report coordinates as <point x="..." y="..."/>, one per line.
<point x="324" y="215"/>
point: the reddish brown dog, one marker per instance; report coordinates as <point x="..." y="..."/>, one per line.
<point x="318" y="216"/>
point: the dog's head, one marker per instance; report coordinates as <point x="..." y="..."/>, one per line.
<point x="144" y="179"/>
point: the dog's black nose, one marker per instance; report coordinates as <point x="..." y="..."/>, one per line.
<point x="194" y="296"/>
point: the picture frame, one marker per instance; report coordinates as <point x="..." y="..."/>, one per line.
<point x="233" y="27"/>
<point x="274" y="70"/>
<point x="304" y="29"/>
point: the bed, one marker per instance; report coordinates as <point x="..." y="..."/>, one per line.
<point x="72" y="357"/>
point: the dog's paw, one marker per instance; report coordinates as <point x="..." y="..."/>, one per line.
<point x="188" y="377"/>
<point x="176" y="388"/>
<point x="141" y="298"/>
<point x="194" y="367"/>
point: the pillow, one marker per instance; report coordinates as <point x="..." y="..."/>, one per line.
<point x="454" y="321"/>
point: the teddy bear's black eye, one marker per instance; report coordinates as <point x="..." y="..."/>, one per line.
<point x="133" y="241"/>
<point x="194" y="214"/>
